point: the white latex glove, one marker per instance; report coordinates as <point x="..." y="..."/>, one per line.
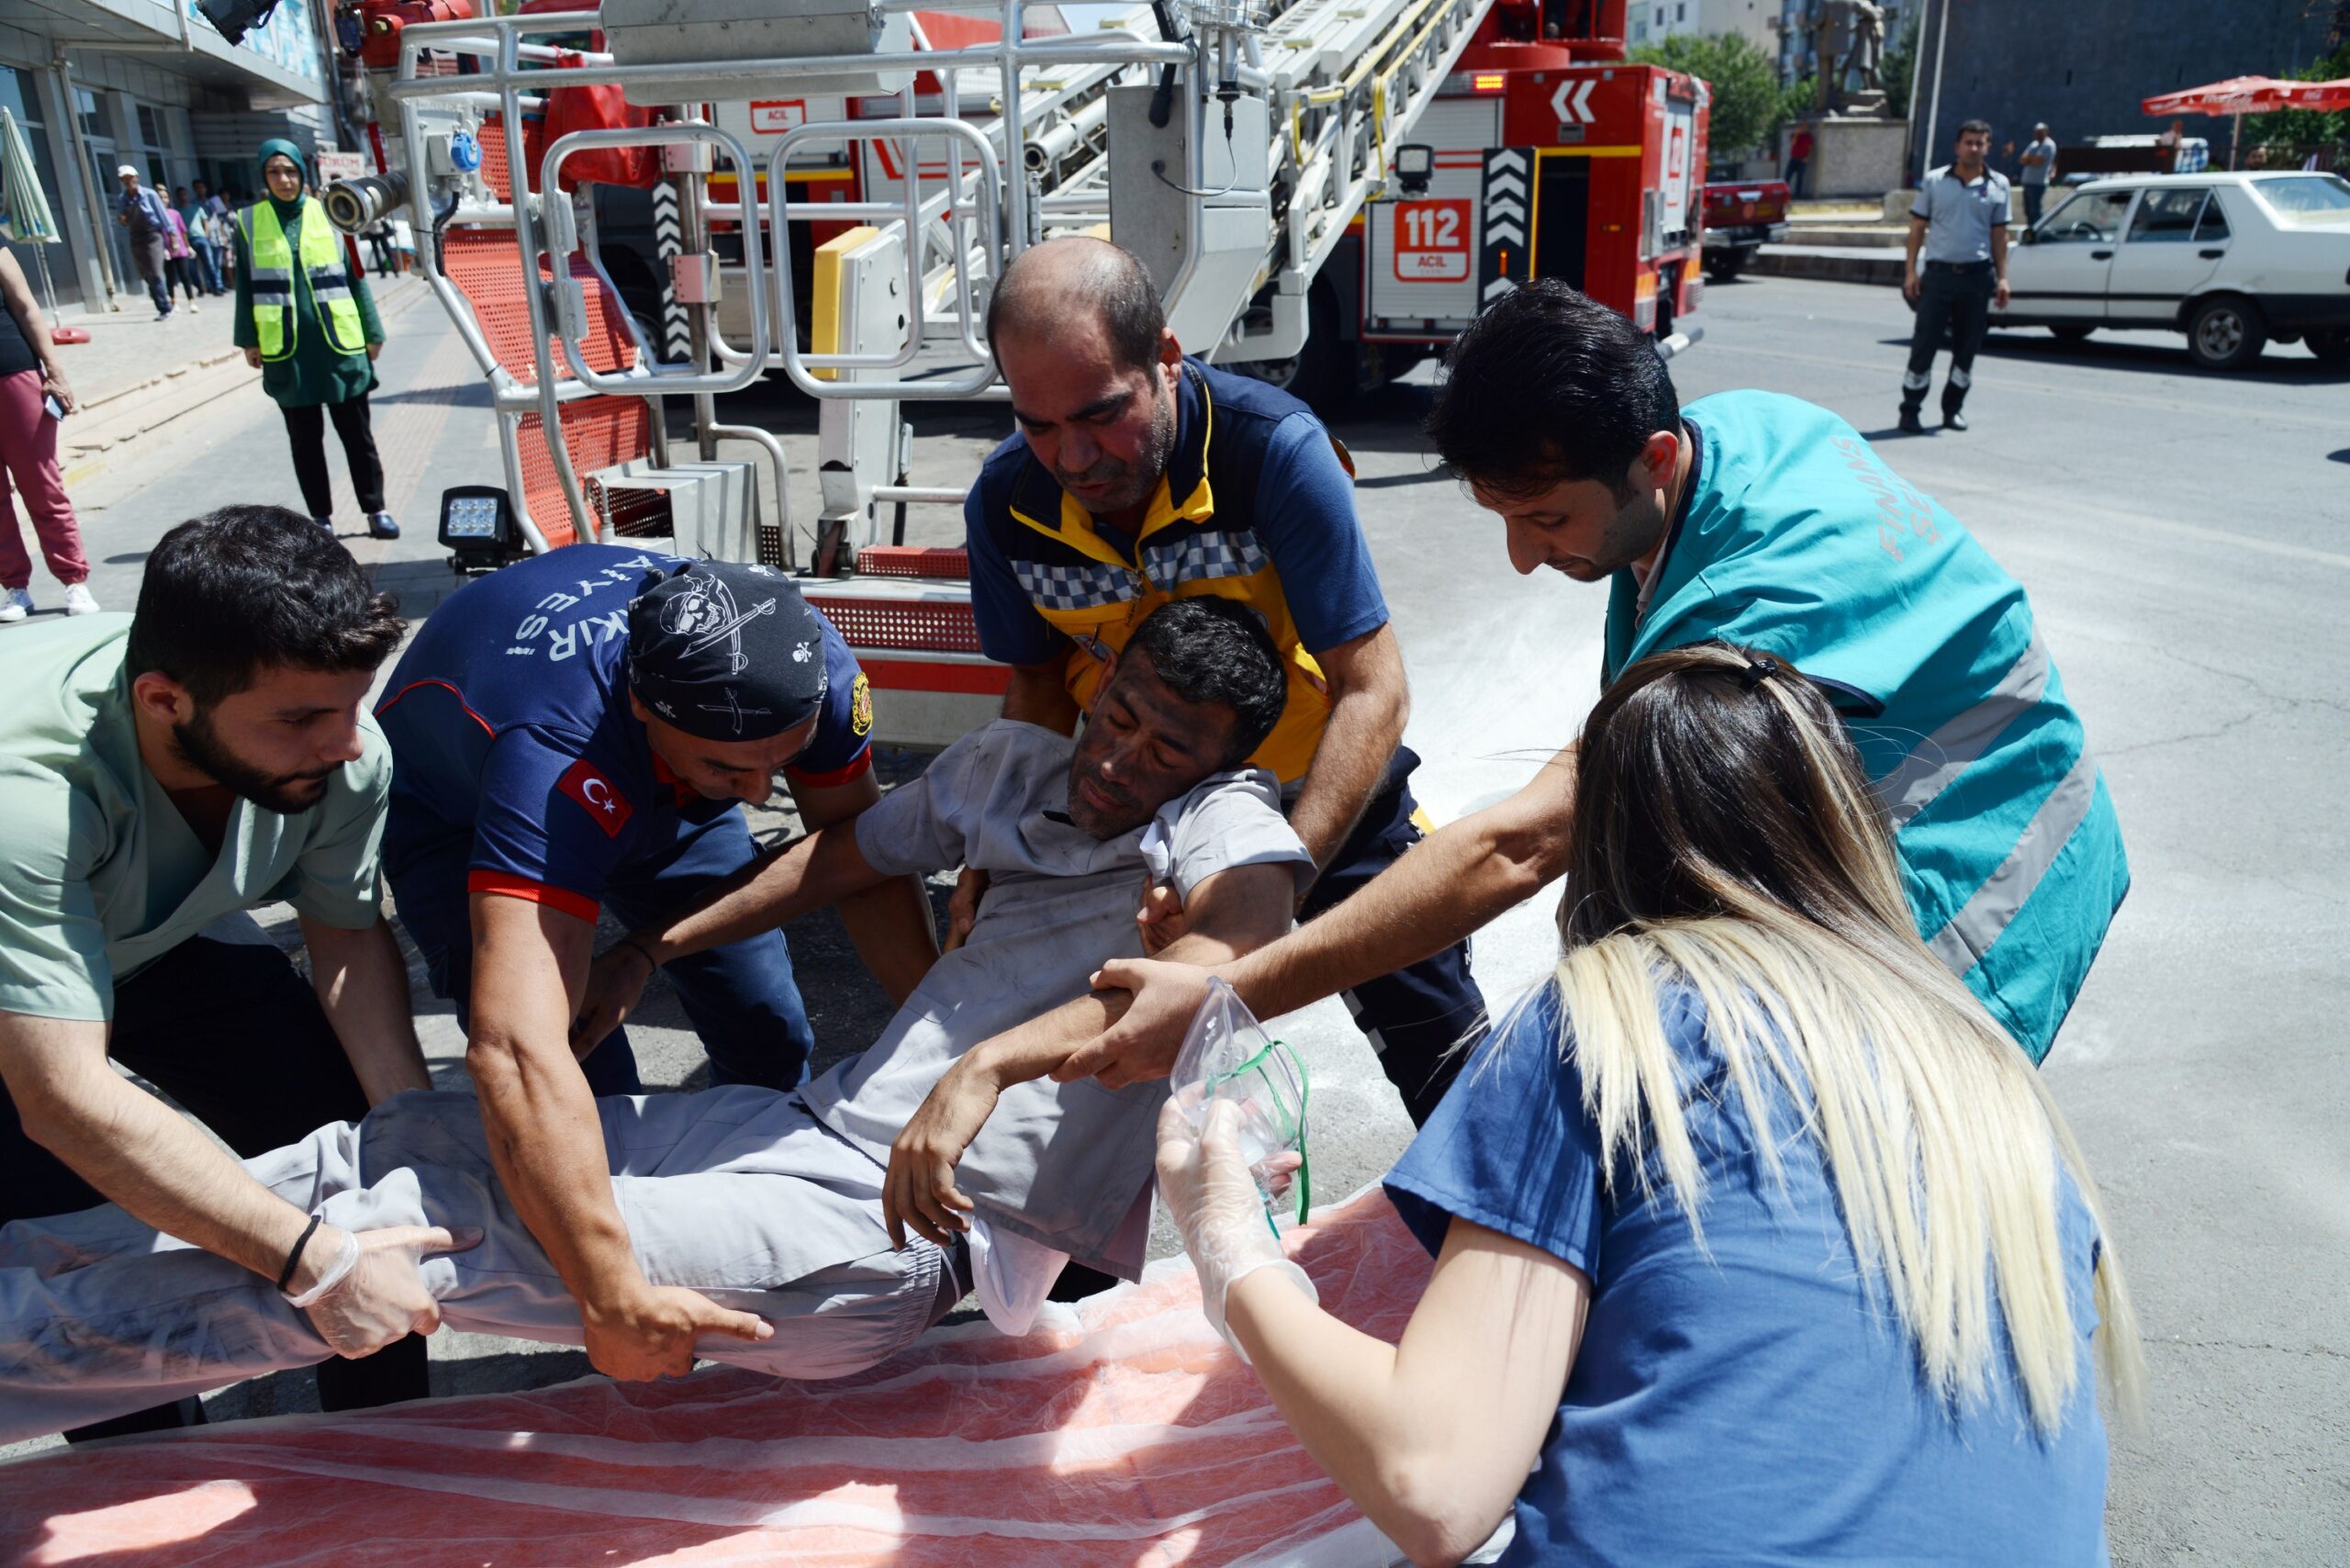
<point x="1213" y="1197"/>
<point x="370" y="1292"/>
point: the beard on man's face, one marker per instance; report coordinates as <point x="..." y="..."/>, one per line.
<point x="1130" y="484"/>
<point x="199" y="746"/>
<point x="1100" y="809"/>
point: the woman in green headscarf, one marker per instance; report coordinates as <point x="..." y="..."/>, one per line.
<point x="306" y="320"/>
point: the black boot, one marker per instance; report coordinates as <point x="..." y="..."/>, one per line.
<point x="1911" y="423"/>
<point x="1952" y="418"/>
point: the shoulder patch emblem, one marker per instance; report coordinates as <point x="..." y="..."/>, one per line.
<point x="597" y="795"/>
<point x="860" y="705"/>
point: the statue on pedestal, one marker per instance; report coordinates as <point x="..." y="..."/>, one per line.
<point x="1848" y="42"/>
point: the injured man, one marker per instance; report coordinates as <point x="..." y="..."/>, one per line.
<point x="946" y="1135"/>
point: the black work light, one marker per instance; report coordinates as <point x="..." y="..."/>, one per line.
<point x="478" y="526"/>
<point x="1415" y="162"/>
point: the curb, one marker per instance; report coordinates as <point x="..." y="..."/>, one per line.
<point x="1849" y="236"/>
<point x="202" y="374"/>
<point x="177" y="373"/>
<point x="1884" y="270"/>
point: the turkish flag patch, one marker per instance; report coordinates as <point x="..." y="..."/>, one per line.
<point x="606" y="804"/>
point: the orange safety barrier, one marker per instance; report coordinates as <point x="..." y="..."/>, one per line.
<point x="486" y="265"/>
<point x="492" y="137"/>
<point x="941" y="627"/>
<point x="909" y="561"/>
<point x="598" y="432"/>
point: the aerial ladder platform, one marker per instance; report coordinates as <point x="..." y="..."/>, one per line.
<point x="1229" y="144"/>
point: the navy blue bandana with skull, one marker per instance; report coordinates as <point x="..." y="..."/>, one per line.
<point x="726" y="651"/>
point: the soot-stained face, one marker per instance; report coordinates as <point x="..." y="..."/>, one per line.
<point x="1143" y="747"/>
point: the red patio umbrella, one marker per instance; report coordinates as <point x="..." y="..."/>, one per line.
<point x="2322" y="96"/>
<point x="2240" y="96"/>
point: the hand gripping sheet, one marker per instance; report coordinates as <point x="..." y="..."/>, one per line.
<point x="1121" y="1432"/>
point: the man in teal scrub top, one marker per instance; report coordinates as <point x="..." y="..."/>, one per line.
<point x="1764" y="521"/>
<point x="162" y="774"/>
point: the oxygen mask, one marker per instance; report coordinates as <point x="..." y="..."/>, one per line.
<point x="1228" y="1057"/>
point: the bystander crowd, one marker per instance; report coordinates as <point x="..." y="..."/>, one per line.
<point x="180" y="276"/>
<point x="203" y="238"/>
<point x="143" y="212"/>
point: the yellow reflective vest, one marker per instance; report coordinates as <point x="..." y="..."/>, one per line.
<point x="1036" y="553"/>
<point x="270" y="258"/>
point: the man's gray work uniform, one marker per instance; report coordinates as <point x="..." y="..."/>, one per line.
<point x="738" y="1192"/>
<point x="1066" y="1167"/>
<point x="1955" y="280"/>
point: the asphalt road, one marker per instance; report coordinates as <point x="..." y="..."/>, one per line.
<point x="2182" y="536"/>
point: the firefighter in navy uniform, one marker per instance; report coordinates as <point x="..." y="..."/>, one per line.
<point x="576" y="733"/>
<point x="579" y="731"/>
<point x="1139" y="475"/>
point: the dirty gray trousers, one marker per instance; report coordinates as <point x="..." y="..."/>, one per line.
<point x="737" y="1193"/>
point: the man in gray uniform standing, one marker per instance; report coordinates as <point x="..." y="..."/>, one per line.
<point x="1960" y="222"/>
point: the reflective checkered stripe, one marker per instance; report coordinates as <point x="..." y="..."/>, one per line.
<point x="1197" y="537"/>
<point x="1090" y="585"/>
<point x="1199" y="556"/>
<point x="276" y="324"/>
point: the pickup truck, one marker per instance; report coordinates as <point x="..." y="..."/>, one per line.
<point x="1741" y="215"/>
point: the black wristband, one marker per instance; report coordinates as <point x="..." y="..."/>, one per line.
<point x="640" y="952"/>
<point x="294" y="1257"/>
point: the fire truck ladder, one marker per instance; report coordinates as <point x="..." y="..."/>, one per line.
<point x="1227" y="146"/>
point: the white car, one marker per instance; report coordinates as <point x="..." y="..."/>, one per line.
<point x="2233" y="260"/>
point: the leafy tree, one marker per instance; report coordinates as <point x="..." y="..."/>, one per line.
<point x="1897" y="67"/>
<point x="1745" y="82"/>
<point x="1798" y="102"/>
<point x="2299" y="128"/>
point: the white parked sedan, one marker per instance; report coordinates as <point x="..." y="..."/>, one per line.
<point x="2233" y="260"/>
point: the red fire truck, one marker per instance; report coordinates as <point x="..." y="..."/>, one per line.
<point x="1325" y="193"/>
<point x="1545" y="155"/>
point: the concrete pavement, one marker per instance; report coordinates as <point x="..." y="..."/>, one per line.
<point x="2187" y="542"/>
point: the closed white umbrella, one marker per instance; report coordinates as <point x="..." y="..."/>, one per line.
<point x="23" y="208"/>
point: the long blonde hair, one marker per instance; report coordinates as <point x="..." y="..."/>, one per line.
<point x="1724" y="838"/>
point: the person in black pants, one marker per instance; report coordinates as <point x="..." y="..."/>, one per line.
<point x="160" y="774"/>
<point x="308" y="324"/>
<point x="1959" y="224"/>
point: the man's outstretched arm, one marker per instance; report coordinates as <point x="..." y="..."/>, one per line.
<point x="1445" y="889"/>
<point x="160" y="1169"/>
<point x="1230" y="913"/>
<point x="821" y="869"/>
<point x="546" y="1142"/>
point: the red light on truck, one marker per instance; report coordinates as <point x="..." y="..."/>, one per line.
<point x="1487" y="82"/>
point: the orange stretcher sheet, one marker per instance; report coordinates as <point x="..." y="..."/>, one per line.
<point x="1129" y="1435"/>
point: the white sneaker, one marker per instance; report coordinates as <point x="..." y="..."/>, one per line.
<point x="17" y="605"/>
<point x="78" y="600"/>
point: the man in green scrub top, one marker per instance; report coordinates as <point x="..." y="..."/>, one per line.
<point x="160" y="775"/>
<point x="1760" y="521"/>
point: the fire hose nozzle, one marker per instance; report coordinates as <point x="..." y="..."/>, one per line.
<point x="356" y="205"/>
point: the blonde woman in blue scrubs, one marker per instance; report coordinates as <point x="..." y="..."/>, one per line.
<point x="1758" y="1238"/>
